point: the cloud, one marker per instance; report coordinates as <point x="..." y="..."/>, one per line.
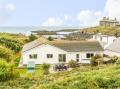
<point x="112" y="8"/>
<point x="89" y="18"/>
<point x="57" y="21"/>
<point x="11" y="7"/>
<point x="6" y="10"/>
<point x="67" y="17"/>
<point x="53" y="22"/>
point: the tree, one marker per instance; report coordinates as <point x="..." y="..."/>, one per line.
<point x="32" y="37"/>
<point x="45" y="68"/>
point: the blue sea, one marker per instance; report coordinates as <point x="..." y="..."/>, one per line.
<point x="23" y="30"/>
<point x="27" y="30"/>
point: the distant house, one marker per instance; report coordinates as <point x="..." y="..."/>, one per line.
<point x="113" y="49"/>
<point x="59" y="52"/>
<point x="107" y="22"/>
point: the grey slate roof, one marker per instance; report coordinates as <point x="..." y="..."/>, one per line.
<point x="115" y="46"/>
<point x="33" y="44"/>
<point x="79" y="46"/>
<point x="69" y="46"/>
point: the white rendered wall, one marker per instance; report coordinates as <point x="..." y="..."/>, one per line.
<point x="45" y="49"/>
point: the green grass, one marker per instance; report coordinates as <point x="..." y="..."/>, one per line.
<point x="24" y="72"/>
<point x="85" y="77"/>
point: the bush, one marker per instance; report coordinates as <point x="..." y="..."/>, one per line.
<point x="45" y="68"/>
<point x="6" y="54"/>
<point x="113" y="59"/>
<point x="50" y="38"/>
<point x="72" y="64"/>
<point x="32" y="37"/>
<point x="7" y="71"/>
<point x="96" y="60"/>
<point x="14" y="45"/>
<point x="118" y="61"/>
<point x="17" y="60"/>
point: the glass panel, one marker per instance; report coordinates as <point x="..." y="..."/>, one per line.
<point x="77" y="60"/>
<point x="62" y="57"/>
<point x="33" y="56"/>
<point x="49" y="55"/>
<point x="77" y="55"/>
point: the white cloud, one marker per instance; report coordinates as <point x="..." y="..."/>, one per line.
<point x="11" y="7"/>
<point x="57" y="21"/>
<point x="89" y="18"/>
<point x="53" y="22"/>
<point x="112" y="8"/>
<point x="67" y="17"/>
<point x="5" y="11"/>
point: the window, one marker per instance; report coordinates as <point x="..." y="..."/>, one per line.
<point x="33" y="56"/>
<point x="77" y="57"/>
<point x="62" y="57"/>
<point x="49" y="55"/>
<point x="89" y="55"/>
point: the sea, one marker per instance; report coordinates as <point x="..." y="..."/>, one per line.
<point x="27" y="30"/>
<point x="23" y="30"/>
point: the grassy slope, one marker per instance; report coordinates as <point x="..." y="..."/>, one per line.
<point x="104" y="30"/>
<point x="81" y="78"/>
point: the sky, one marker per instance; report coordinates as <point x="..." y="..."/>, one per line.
<point x="57" y="12"/>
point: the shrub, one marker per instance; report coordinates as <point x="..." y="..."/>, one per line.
<point x="45" y="68"/>
<point x="17" y="60"/>
<point x="32" y="37"/>
<point x="7" y="71"/>
<point x="96" y="60"/>
<point x="118" y="61"/>
<point x="14" y="45"/>
<point x="91" y="84"/>
<point x="6" y="54"/>
<point x="50" y="38"/>
<point x="72" y="64"/>
<point x="113" y="59"/>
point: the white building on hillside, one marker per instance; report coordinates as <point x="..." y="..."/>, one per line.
<point x="59" y="52"/>
<point x="113" y="49"/>
<point x="104" y="40"/>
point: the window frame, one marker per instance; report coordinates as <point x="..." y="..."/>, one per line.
<point x="89" y="55"/>
<point x="33" y="56"/>
<point x="49" y="56"/>
<point x="62" y="57"/>
<point x="77" y="57"/>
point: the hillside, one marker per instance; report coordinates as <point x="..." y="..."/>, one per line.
<point x="87" y="33"/>
<point x="85" y="77"/>
<point x="112" y="31"/>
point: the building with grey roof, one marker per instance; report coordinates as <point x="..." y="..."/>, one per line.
<point x="54" y="52"/>
<point x="114" y="48"/>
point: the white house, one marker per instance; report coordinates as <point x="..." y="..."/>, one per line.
<point x="104" y="40"/>
<point x="59" y="52"/>
<point x="113" y="49"/>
